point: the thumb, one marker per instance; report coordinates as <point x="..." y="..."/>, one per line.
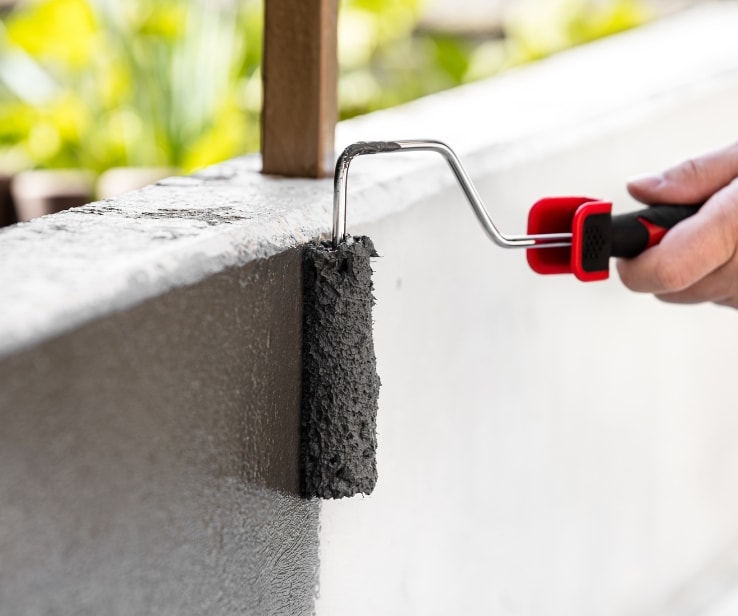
<point x="690" y="182"/>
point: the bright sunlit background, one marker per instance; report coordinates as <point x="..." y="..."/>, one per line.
<point x="175" y="84"/>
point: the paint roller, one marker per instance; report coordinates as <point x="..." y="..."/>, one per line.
<point x="340" y="388"/>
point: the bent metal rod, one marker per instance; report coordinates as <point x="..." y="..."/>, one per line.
<point x="340" y="184"/>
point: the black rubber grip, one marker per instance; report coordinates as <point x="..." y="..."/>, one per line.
<point x="630" y="236"/>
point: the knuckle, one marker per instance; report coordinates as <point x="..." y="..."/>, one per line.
<point x="690" y="170"/>
<point x="725" y="228"/>
<point x="693" y="167"/>
<point x="728" y="234"/>
<point x="689" y="175"/>
<point x="670" y="277"/>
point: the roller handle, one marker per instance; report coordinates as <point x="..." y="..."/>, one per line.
<point x="634" y="232"/>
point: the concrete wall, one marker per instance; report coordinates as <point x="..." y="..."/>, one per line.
<point x="150" y="459"/>
<point x="546" y="447"/>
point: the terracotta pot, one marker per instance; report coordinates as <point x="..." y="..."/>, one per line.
<point x="37" y="193"/>
<point x="119" y="180"/>
<point x="6" y="6"/>
<point x="7" y="209"/>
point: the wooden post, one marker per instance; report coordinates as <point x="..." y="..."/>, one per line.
<point x="300" y="87"/>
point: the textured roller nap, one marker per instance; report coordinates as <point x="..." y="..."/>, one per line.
<point x="340" y="383"/>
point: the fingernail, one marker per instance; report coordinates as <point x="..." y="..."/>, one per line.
<point x="649" y="181"/>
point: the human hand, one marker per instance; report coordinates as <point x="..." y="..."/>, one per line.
<point x="697" y="260"/>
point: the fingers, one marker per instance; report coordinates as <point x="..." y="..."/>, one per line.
<point x="714" y="291"/>
<point x="720" y="287"/>
<point x="679" y="269"/>
<point x="691" y="182"/>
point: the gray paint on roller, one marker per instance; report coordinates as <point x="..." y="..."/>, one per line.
<point x="340" y="383"/>
<point x="150" y="460"/>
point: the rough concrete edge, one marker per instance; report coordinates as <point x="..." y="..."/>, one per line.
<point x="267" y="215"/>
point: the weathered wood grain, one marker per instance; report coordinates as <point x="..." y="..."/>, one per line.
<point x="300" y="87"/>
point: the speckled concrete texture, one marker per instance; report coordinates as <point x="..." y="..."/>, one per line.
<point x="150" y="460"/>
<point x="340" y="385"/>
<point x="60" y="271"/>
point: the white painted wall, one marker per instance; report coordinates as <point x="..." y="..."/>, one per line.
<point x="546" y="447"/>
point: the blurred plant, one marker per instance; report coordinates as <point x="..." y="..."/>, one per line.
<point x="386" y="60"/>
<point x="103" y="83"/>
<point x="173" y="79"/>
<point x="140" y="82"/>
<point x="537" y="29"/>
<point x="377" y="52"/>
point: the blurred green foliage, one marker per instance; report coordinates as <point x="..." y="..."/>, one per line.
<point x="103" y="83"/>
<point x="387" y="60"/>
<point x="127" y="83"/>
